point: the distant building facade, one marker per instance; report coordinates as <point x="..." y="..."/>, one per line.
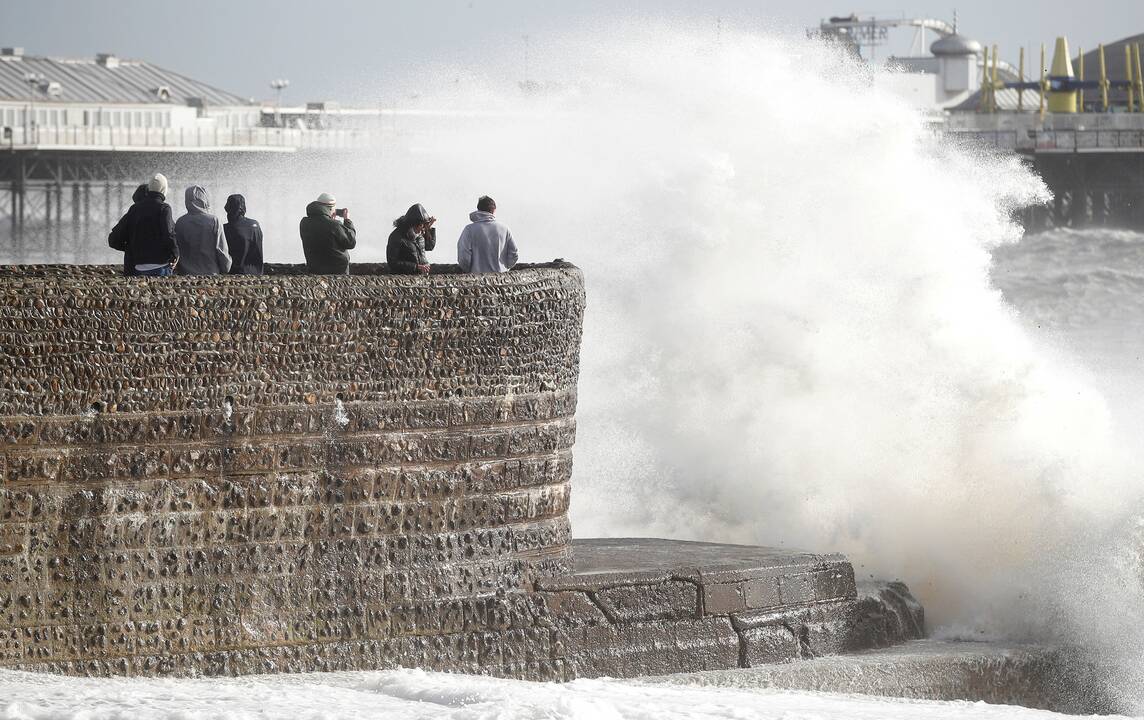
<point x="41" y="93"/>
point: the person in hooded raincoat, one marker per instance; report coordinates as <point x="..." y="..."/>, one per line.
<point x="328" y="235"/>
<point x="243" y="238"/>
<point x="120" y="234"/>
<point x="202" y="244"/>
<point x="413" y="234"/>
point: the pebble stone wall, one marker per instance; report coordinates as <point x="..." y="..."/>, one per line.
<point x="284" y="473"/>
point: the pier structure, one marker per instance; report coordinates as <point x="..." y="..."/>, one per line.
<point x="78" y="135"/>
<point x="1092" y="162"/>
<point x="1078" y="123"/>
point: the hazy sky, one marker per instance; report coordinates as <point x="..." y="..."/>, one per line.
<point x="361" y="50"/>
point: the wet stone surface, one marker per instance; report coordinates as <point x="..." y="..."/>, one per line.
<point x="640" y="606"/>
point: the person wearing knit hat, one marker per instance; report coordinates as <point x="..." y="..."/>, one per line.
<point x="158" y="184"/>
<point x="151" y="232"/>
<point x="328" y="235"/>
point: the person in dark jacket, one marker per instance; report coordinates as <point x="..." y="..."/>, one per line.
<point x="151" y="232"/>
<point x="327" y="236"/>
<point x="117" y="238"/>
<point x="413" y="234"/>
<point x="243" y="238"/>
<point x="202" y="245"/>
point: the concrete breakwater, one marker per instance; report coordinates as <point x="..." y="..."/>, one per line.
<point x="285" y="473"/>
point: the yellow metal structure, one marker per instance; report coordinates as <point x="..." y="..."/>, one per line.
<point x="983" y="101"/>
<point x="1062" y="101"/>
<point x="1044" y="81"/>
<point x="1021" y="73"/>
<point x="1139" y="78"/>
<point x="1128" y="76"/>
<point x="1080" y="76"/>
<point x="994" y="84"/>
<point x="1103" y="82"/>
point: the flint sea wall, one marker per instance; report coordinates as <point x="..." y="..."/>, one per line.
<point x="288" y="472"/>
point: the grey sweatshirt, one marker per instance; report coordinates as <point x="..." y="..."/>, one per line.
<point x="486" y="245"/>
<point x="202" y="245"/>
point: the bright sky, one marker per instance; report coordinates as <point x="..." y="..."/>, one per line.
<point x="359" y="50"/>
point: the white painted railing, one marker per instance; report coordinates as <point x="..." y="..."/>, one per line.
<point x="104" y="138"/>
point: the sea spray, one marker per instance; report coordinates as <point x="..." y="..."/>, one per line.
<point x="793" y="338"/>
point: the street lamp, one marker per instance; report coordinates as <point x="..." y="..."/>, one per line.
<point x="278" y="86"/>
<point x="34" y="81"/>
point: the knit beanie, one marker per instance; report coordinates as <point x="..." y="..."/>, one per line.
<point x="158" y="183"/>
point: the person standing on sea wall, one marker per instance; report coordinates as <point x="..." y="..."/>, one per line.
<point x="243" y="238"/>
<point x="486" y="244"/>
<point x="413" y="235"/>
<point x="151" y="236"/>
<point x="119" y="235"/>
<point x="202" y="245"/>
<point x="328" y="235"/>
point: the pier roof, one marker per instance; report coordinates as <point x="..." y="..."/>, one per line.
<point x="103" y="79"/>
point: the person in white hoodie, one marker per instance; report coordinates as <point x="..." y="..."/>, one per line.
<point x="486" y="245"/>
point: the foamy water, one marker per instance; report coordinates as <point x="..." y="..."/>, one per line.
<point x="793" y="338"/>
<point x="413" y="694"/>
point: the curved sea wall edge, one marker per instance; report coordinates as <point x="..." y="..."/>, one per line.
<point x="255" y="474"/>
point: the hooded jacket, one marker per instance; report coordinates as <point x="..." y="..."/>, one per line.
<point x="485" y="245"/>
<point x="151" y="232"/>
<point x="325" y="241"/>
<point x="243" y="238"/>
<point x="119" y="235"/>
<point x="405" y="249"/>
<point x="202" y="246"/>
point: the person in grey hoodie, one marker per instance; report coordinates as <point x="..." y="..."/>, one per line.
<point x="202" y="244"/>
<point x="486" y="245"/>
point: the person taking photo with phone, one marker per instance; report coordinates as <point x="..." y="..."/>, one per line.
<point x="328" y="235"/>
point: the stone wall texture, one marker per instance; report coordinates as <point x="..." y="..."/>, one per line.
<point x="288" y="472"/>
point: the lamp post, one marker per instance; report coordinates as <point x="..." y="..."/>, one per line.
<point x="33" y="79"/>
<point x="278" y="86"/>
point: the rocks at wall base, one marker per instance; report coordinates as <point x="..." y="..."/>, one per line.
<point x="640" y="606"/>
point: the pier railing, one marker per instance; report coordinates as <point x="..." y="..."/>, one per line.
<point x="1048" y="141"/>
<point x="183" y="139"/>
<point x="1029" y="133"/>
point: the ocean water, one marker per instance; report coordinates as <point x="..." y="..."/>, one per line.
<point x="811" y="324"/>
<point x="414" y="694"/>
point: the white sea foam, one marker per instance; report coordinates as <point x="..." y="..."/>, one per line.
<point x="792" y="335"/>
<point x="414" y="694"/>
